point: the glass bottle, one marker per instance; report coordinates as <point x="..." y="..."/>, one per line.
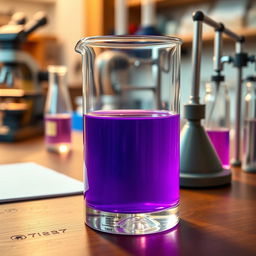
<point x="249" y="130"/>
<point x="217" y="121"/>
<point x="131" y="142"/>
<point x="58" y="112"/>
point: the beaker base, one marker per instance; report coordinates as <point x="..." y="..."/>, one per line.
<point x="132" y="223"/>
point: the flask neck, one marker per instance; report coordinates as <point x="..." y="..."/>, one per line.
<point x="57" y="76"/>
<point x="217" y="106"/>
<point x="58" y="99"/>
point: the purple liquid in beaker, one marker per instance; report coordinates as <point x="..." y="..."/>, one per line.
<point x="132" y="160"/>
<point x="57" y="128"/>
<point x="220" y="141"/>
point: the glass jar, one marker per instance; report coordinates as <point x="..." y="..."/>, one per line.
<point x="131" y="132"/>
<point x="249" y="130"/>
<point x="217" y="121"/>
<point x="58" y="112"/>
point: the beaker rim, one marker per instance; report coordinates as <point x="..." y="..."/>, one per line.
<point x="130" y="41"/>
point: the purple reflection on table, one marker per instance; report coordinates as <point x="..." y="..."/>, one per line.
<point x="159" y="244"/>
<point x="220" y="141"/>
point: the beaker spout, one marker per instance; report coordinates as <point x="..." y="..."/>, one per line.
<point x="80" y="46"/>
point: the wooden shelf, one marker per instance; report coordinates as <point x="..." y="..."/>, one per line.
<point x="170" y="3"/>
<point x="249" y="33"/>
<point x="38" y="1"/>
<point x="104" y="10"/>
<point x="44" y="48"/>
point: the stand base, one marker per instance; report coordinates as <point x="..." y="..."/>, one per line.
<point x="236" y="163"/>
<point x="205" y="180"/>
<point x="249" y="168"/>
<point x="132" y="223"/>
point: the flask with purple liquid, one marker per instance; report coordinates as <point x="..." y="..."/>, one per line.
<point x="131" y="133"/>
<point x="217" y="122"/>
<point x="58" y="112"/>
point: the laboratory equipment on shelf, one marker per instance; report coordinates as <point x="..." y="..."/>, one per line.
<point x="148" y="18"/>
<point x="58" y="112"/>
<point x="121" y="15"/>
<point x="131" y="143"/>
<point x="249" y="128"/>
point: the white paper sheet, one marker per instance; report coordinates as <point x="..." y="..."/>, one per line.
<point x="25" y="181"/>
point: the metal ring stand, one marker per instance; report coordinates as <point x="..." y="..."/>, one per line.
<point x="200" y="166"/>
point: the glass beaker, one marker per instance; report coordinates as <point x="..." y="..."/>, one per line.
<point x="58" y="112"/>
<point x="131" y="132"/>
<point x="249" y="131"/>
<point x="217" y="121"/>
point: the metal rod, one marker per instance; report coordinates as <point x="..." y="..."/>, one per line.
<point x="199" y="15"/>
<point x="158" y="88"/>
<point x="238" y="115"/>
<point x="237" y="160"/>
<point x="207" y="20"/>
<point x="120" y="17"/>
<point x="199" y="18"/>
<point x="238" y="47"/>
<point x="217" y="64"/>
<point x="196" y="61"/>
<point x="232" y="34"/>
<point x="146" y="88"/>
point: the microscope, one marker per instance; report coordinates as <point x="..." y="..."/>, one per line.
<point x="21" y="96"/>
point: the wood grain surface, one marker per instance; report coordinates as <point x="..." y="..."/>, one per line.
<point x="219" y="221"/>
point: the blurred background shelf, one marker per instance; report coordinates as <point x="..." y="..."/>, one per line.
<point x="37" y="1"/>
<point x="169" y="3"/>
<point x="71" y="20"/>
<point x="171" y="10"/>
<point x="44" y="48"/>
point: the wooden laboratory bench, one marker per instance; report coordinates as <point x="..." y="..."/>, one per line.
<point x="219" y="221"/>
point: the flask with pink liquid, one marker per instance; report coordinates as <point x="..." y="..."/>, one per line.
<point x="58" y="112"/>
<point x="217" y="122"/>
